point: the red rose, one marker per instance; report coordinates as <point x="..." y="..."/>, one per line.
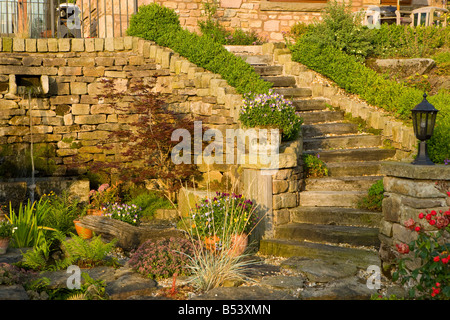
<point x="436" y="259"/>
<point x="417" y="229"/>
<point x="433" y="213"/>
<point x="432" y="222"/>
<point x="421" y="215"/>
<point x="428" y="217"/>
<point x="444" y="260"/>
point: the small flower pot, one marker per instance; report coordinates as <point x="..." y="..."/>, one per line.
<point x="95" y="212"/>
<point x="239" y="243"/>
<point x="83" y="232"/>
<point x="4" y="243"/>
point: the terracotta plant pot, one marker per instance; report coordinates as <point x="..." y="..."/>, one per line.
<point x="4" y="243"/>
<point x="81" y="231"/>
<point x="95" y="212"/>
<point x="239" y="243"/>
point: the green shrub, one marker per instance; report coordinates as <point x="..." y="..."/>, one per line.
<point x="314" y="167"/>
<point x="153" y="21"/>
<point x="403" y="41"/>
<point x="200" y="50"/>
<point x="149" y="202"/>
<point x="340" y="29"/>
<point x="374" y="199"/>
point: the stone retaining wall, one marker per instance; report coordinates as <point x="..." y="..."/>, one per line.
<point x="70" y="119"/>
<point x="409" y="190"/>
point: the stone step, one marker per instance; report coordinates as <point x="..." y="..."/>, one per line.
<point x="340" y="183"/>
<point x="290" y="93"/>
<point x="354" y="169"/>
<point x="361" y="258"/>
<point x="336" y="216"/>
<point x="347" y="199"/>
<point x="361" y="154"/>
<point x="333" y="234"/>
<point x="312" y="117"/>
<point x="256" y="60"/>
<point x="342" y="142"/>
<point x="280" y="81"/>
<point x="310" y="104"/>
<point x="320" y="129"/>
<point x="269" y="70"/>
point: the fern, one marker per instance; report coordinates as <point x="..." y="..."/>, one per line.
<point x="87" y="252"/>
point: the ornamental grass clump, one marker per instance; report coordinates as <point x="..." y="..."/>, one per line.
<point x="220" y="225"/>
<point x="271" y="110"/>
<point x="431" y="280"/>
<point x="159" y="259"/>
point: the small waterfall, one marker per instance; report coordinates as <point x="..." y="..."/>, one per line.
<point x="28" y="92"/>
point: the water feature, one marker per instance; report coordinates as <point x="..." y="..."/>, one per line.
<point x="27" y="87"/>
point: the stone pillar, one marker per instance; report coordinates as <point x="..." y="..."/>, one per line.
<point x="409" y="190"/>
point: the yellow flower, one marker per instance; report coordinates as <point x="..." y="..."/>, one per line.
<point x="193" y="226"/>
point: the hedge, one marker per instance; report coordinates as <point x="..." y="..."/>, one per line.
<point x="161" y="25"/>
<point x="376" y="89"/>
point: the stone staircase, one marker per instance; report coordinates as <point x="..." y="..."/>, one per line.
<point x="328" y="224"/>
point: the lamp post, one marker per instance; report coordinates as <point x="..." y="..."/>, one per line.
<point x="424" y="119"/>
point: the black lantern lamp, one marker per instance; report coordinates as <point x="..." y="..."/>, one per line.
<point x="424" y="119"/>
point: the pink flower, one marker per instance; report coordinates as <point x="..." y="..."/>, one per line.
<point x="409" y="223"/>
<point x="103" y="187"/>
<point x="402" y="248"/>
<point x="441" y="222"/>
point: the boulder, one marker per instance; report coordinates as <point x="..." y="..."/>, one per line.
<point x="404" y="67"/>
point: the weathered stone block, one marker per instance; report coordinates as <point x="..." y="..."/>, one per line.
<point x="80" y="109"/>
<point x="78" y="45"/>
<point x="18" y="44"/>
<point x="284" y="200"/>
<point x="78" y="88"/>
<point x="90" y="119"/>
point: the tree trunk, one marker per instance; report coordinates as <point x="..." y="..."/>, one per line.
<point x="128" y="237"/>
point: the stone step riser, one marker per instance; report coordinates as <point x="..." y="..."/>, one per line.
<point x="310" y="104"/>
<point x="357" y="236"/>
<point x="280" y="248"/>
<point x="340" y="184"/>
<point x="362" y="154"/>
<point x="321" y="116"/>
<point x="317" y="130"/>
<point x="336" y="216"/>
<point x="359" y="141"/>
<point x="347" y="199"/>
<point x="256" y="60"/>
<point x="269" y="70"/>
<point x="292" y="93"/>
<point x="349" y="170"/>
<point x="280" y="81"/>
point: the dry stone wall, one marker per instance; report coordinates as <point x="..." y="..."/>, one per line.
<point x="409" y="190"/>
<point x="68" y="118"/>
